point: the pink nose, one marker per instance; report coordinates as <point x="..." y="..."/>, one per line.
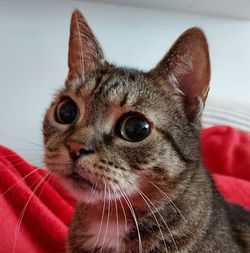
<point x="77" y="149"/>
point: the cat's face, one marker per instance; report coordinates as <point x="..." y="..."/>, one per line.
<point x="112" y="131"/>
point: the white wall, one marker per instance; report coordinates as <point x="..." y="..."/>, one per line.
<point x="33" y="54"/>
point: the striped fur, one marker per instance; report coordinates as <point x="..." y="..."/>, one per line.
<point x="148" y="196"/>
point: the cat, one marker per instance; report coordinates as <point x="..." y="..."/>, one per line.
<point x="126" y="143"/>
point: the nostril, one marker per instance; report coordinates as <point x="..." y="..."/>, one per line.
<point x="74" y="156"/>
<point x="81" y="152"/>
<point x="85" y="151"/>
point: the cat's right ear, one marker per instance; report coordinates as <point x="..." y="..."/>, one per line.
<point x="85" y="53"/>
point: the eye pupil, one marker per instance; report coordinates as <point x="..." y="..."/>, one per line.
<point x="134" y="128"/>
<point x="67" y="112"/>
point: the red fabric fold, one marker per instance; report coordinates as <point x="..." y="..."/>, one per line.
<point x="35" y="211"/>
<point x="226" y="154"/>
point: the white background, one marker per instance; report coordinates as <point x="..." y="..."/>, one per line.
<point x="33" y="54"/>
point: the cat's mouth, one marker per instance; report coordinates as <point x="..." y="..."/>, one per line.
<point x="80" y="181"/>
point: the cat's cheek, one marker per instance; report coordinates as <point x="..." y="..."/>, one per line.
<point x="56" y="158"/>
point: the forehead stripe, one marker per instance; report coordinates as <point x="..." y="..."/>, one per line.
<point x="174" y="145"/>
<point x="98" y="82"/>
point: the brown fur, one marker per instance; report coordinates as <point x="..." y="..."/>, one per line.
<point x="156" y="189"/>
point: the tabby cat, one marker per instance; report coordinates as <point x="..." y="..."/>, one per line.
<point x="126" y="143"/>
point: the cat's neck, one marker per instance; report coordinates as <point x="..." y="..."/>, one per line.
<point x="117" y="225"/>
<point x="184" y="219"/>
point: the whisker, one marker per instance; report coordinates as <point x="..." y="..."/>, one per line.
<point x="145" y="200"/>
<point x="12" y="162"/>
<point x="107" y="223"/>
<point x="21" y="139"/>
<point x="171" y="202"/>
<point x="124" y="213"/>
<point x="176" y="209"/>
<point x="103" y="211"/>
<point x="20" y="163"/>
<point x="91" y="196"/>
<point x="22" y="194"/>
<point x="117" y="224"/>
<point x="126" y="198"/>
<point x="28" y="149"/>
<point x="58" y="164"/>
<point x="17" y="155"/>
<point x="24" y="209"/>
<point x="46" y="182"/>
<point x="23" y="178"/>
<point x="123" y="209"/>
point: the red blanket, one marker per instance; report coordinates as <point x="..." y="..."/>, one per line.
<point x="35" y="217"/>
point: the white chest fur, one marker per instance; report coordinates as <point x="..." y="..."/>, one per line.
<point x="107" y="235"/>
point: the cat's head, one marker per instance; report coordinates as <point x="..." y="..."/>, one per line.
<point x="113" y="131"/>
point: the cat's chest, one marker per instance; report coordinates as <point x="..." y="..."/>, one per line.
<point x="107" y="235"/>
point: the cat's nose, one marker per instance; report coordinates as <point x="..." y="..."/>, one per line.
<point x="77" y="149"/>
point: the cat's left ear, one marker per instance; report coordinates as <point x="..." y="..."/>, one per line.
<point x="187" y="67"/>
<point x="85" y="53"/>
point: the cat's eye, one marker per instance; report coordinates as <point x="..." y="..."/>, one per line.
<point x="66" y="112"/>
<point x="134" y="128"/>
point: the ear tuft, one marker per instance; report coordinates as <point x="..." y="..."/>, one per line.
<point x="85" y="53"/>
<point x="187" y="67"/>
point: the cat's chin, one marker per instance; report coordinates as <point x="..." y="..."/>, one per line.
<point x="79" y="181"/>
<point x="82" y="189"/>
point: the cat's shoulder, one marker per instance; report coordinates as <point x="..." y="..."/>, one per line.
<point x="238" y="213"/>
<point x="240" y="223"/>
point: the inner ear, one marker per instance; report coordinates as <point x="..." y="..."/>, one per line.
<point x="187" y="68"/>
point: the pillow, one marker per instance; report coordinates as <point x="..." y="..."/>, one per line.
<point x="226" y="112"/>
